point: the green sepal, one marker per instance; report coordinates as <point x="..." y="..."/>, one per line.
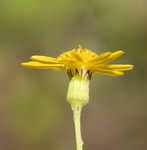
<point x="78" y="90"/>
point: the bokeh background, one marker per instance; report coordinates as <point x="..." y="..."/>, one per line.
<point x="34" y="114"/>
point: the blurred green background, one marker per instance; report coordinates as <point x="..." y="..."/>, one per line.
<point x="34" y="114"/>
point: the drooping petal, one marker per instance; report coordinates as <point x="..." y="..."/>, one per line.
<point x="39" y="65"/>
<point x="44" y="59"/>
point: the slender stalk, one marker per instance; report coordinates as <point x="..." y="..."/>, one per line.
<point x="77" y="116"/>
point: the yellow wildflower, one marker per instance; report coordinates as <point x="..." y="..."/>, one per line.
<point x="81" y="62"/>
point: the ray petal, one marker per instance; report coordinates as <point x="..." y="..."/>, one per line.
<point x="90" y="53"/>
<point x="101" y="57"/>
<point x="112" y="57"/>
<point x="77" y="56"/>
<point x="109" y="72"/>
<point x="44" y="59"/>
<point x="39" y="65"/>
<point x="118" y="67"/>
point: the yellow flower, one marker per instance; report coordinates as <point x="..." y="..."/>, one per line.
<point x="82" y="62"/>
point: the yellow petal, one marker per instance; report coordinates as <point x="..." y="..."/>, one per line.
<point x="44" y="59"/>
<point x="101" y="57"/>
<point x="112" y="57"/>
<point x="117" y="67"/>
<point x="39" y="65"/>
<point x="109" y="72"/>
<point x="77" y="56"/>
<point x="89" y="53"/>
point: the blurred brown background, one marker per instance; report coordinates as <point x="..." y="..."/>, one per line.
<point x="34" y="114"/>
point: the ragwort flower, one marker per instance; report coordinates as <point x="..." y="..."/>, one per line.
<point x="80" y="64"/>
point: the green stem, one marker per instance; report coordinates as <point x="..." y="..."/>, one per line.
<point x="77" y="116"/>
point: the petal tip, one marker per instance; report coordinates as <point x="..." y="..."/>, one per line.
<point x="120" y="52"/>
<point x="132" y="67"/>
<point x="119" y="73"/>
<point x="34" y="57"/>
<point x="23" y="64"/>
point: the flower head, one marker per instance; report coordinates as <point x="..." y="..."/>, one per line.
<point x="82" y="62"/>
